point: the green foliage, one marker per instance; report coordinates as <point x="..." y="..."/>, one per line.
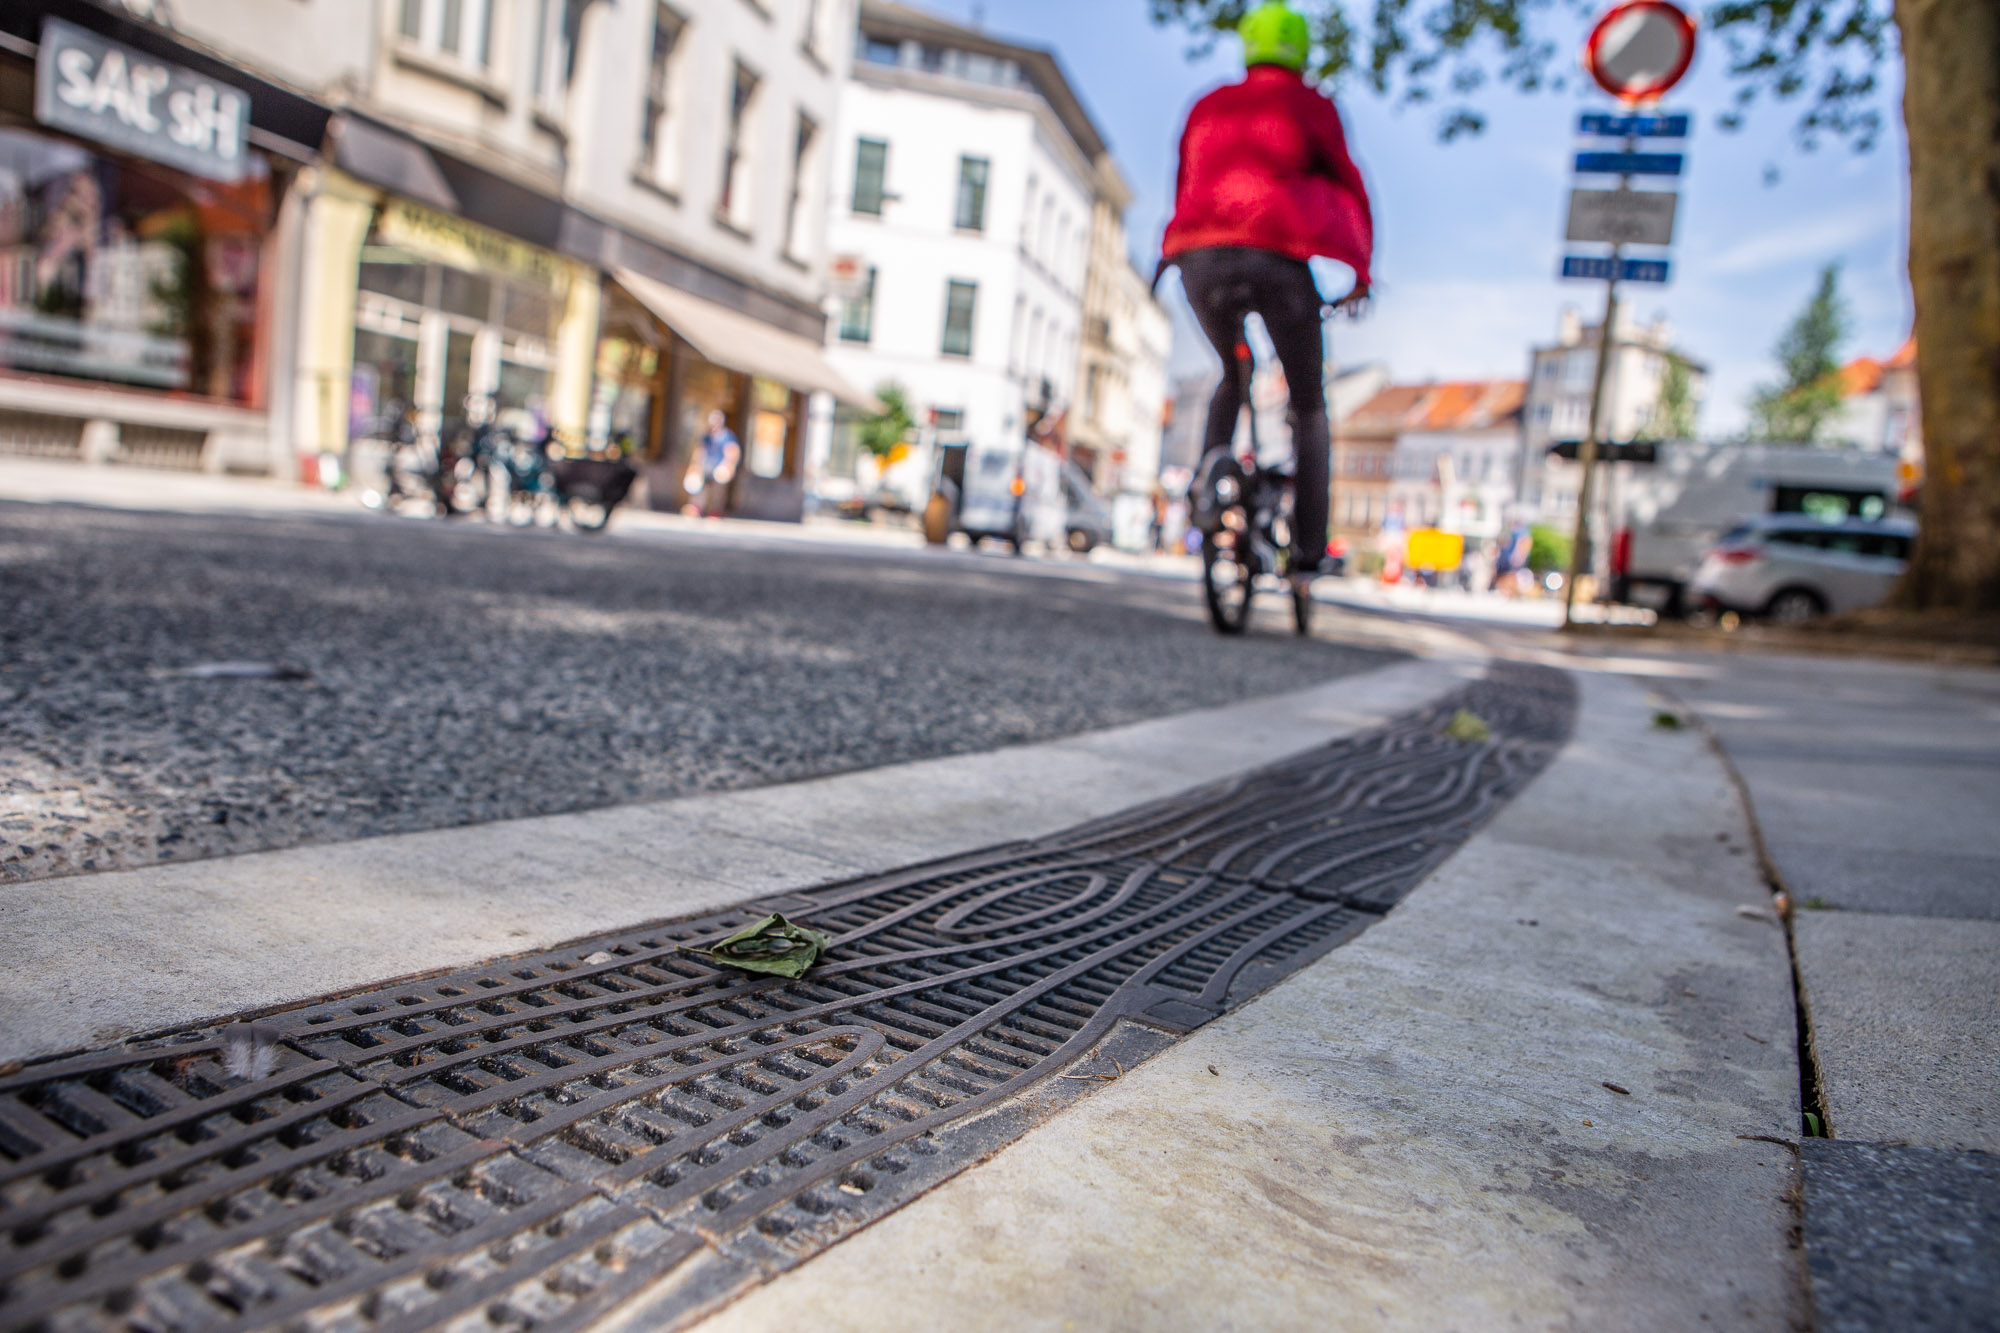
<point x="1799" y="407"/>
<point x="881" y="433"/>
<point x="1548" y="548"/>
<point x="1673" y="411"/>
<point x="1443" y="51"/>
<point x="1468" y="726"/>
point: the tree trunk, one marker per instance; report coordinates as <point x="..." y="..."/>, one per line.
<point x="1951" y="106"/>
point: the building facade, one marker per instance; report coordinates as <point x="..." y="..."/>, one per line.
<point x="1879" y="410"/>
<point x="964" y="185"/>
<point x="1454" y="464"/>
<point x="604" y="217"/>
<point x="1561" y="377"/>
<point x="1114" y="432"/>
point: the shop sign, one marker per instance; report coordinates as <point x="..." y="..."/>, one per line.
<point x="466" y="245"/>
<point x="104" y="90"/>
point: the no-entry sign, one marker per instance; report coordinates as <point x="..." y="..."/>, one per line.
<point x="1640" y="48"/>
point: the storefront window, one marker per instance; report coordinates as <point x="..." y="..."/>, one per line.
<point x="770" y="424"/>
<point x="120" y="270"/>
<point x="385" y="386"/>
<point x="466" y="344"/>
<point x="628" y="380"/>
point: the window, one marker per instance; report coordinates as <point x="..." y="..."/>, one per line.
<point x="733" y="204"/>
<point x="557" y="25"/>
<point x="959" y="298"/>
<point x="121" y="271"/>
<point x="877" y="51"/>
<point x="972" y="193"/>
<point x="871" y="168"/>
<point x="949" y="420"/>
<point x="658" y="152"/>
<point x="795" y="219"/>
<point x="461" y="29"/>
<point x="811" y="38"/>
<point x="857" y="313"/>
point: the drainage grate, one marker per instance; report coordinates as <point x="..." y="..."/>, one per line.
<point x="532" y="1143"/>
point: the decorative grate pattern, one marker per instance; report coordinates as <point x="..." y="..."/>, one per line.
<point x="529" y="1144"/>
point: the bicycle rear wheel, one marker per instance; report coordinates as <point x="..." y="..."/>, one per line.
<point x="1227" y="581"/>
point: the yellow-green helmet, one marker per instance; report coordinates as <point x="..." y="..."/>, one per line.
<point x="1275" y="34"/>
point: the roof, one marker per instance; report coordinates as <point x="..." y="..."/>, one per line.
<point x="1861" y="375"/>
<point x="1864" y="373"/>
<point x="1385" y="413"/>
<point x="1448" y="405"/>
<point x="884" y="18"/>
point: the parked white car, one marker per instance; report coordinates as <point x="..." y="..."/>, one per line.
<point x="1675" y="508"/>
<point x="1791" y="568"/>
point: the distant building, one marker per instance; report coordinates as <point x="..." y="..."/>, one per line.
<point x="1438" y="454"/>
<point x="1187" y="420"/>
<point x="1561" y="377"/>
<point x="1455" y="464"/>
<point x="1364" y="442"/>
<point x="965" y="181"/>
<point x="1879" y="408"/>
<point x="1114" y="430"/>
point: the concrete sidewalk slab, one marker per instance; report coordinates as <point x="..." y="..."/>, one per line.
<point x="1903" y="1013"/>
<point x="1902" y="1238"/>
<point x="1874" y="783"/>
<point x="1417" y="1132"/>
<point x="87" y="959"/>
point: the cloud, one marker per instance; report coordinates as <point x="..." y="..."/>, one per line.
<point x="1810" y="242"/>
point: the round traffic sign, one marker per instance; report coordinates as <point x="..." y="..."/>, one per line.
<point x="1640" y="48"/>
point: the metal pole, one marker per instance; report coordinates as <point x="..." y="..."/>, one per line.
<point x="1587" y="455"/>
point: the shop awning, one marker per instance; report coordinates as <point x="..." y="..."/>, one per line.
<point x="733" y="339"/>
<point x="396" y="162"/>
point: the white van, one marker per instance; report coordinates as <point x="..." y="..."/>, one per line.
<point x="1013" y="495"/>
<point x="1672" y="510"/>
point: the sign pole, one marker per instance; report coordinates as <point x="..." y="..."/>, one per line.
<point x="1637" y="50"/>
<point x="1586" y="455"/>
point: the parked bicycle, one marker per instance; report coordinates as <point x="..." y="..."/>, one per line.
<point x="545" y="484"/>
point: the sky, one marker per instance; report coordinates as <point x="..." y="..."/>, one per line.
<point x="1469" y="234"/>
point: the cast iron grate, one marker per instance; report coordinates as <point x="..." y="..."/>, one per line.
<point x="533" y="1143"/>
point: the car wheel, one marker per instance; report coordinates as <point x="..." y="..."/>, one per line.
<point x="1081" y="542"/>
<point x="1792" y="606"/>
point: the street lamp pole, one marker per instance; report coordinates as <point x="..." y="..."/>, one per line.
<point x="1586" y="454"/>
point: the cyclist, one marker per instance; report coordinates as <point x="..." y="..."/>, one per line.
<point x="1266" y="184"/>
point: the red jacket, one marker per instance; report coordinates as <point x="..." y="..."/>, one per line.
<point x="1264" y="166"/>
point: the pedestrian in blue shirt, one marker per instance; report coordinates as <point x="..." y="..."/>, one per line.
<point x="707" y="483"/>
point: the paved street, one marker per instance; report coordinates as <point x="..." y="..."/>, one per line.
<point x="459" y="674"/>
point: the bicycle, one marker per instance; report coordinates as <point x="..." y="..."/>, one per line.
<point x="1252" y="536"/>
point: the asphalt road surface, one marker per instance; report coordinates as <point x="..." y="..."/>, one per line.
<point x="453" y="674"/>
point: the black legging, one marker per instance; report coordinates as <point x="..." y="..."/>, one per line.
<point x="1225" y="286"/>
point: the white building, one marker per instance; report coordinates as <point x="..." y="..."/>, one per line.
<point x="1560" y="381"/>
<point x="607" y="214"/>
<point x="1453" y="465"/>
<point x="963" y="183"/>
<point x="1879" y="410"/>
